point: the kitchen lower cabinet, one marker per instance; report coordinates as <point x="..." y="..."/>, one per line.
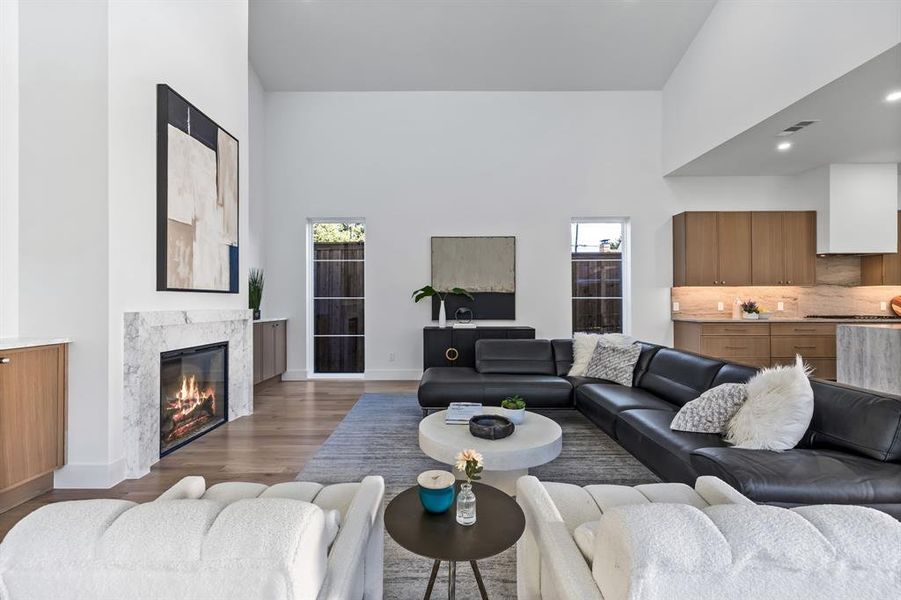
<point x="270" y="341"/>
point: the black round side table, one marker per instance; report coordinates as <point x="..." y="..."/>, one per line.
<point x="499" y="524"/>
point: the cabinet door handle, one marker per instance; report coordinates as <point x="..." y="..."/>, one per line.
<point x="723" y="282"/>
<point x="5" y="360"/>
<point x="734" y="329"/>
<point x="452" y="354"/>
<point x="799" y="330"/>
<point x="804" y="347"/>
<point x="736" y="347"/>
<point x="789" y="282"/>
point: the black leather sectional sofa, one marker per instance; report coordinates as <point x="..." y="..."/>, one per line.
<point x="851" y="454"/>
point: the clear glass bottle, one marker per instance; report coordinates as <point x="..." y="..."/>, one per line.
<point x="466" y="505"/>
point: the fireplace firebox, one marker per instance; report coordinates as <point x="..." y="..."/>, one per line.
<point x="193" y="393"/>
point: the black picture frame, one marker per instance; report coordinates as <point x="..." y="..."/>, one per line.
<point x="174" y="109"/>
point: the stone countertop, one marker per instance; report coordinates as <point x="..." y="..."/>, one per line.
<point x="271" y="319"/>
<point x="868" y="355"/>
<point x="865" y="323"/>
<point x="15" y="343"/>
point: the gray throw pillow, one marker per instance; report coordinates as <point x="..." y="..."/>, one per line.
<point x="711" y="411"/>
<point x="614" y="362"/>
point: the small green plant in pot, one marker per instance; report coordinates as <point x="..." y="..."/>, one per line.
<point x="750" y="310"/>
<point x="255" y="291"/>
<point x="514" y="408"/>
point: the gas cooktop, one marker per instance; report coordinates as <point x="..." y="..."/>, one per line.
<point x="856" y="317"/>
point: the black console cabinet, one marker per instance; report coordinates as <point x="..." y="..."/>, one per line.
<point x="451" y="347"/>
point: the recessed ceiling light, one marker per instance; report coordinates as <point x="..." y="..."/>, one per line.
<point x="893" y="96"/>
<point x="783" y="146"/>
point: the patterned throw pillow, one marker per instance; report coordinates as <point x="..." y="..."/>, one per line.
<point x="614" y="362"/>
<point x="711" y="411"/>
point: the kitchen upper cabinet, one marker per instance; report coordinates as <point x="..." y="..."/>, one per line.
<point x="783" y="248"/>
<point x="712" y="248"/>
<point x="882" y="269"/>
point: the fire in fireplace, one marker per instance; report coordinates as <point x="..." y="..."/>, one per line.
<point x="193" y="393"/>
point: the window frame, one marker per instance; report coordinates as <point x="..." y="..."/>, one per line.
<point x="311" y="336"/>
<point x="626" y="251"/>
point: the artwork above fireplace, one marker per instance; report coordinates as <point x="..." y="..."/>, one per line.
<point x="193" y="393"/>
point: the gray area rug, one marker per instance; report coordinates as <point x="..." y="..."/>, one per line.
<point x="379" y="436"/>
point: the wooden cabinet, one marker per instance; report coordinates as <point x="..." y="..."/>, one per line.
<point x="32" y="421"/>
<point x="712" y="248"/>
<point x="450" y="347"/>
<point x="882" y="269"/>
<point x="270" y="342"/>
<point x="744" y="248"/>
<point x="783" y="248"/>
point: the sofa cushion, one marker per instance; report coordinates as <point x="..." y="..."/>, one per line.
<point x="603" y="402"/>
<point x="528" y="357"/>
<point x="860" y="421"/>
<point x="646" y="434"/>
<point x="441" y="385"/>
<point x="802" y="476"/>
<point x="679" y="376"/>
<point x="733" y="373"/>
<point x="539" y="391"/>
<point x="563" y="356"/>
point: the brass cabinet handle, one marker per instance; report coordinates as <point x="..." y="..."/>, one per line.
<point x="5" y="360"/>
<point x="736" y="347"/>
<point x="452" y="354"/>
<point x="804" y="347"/>
<point x="734" y="329"/>
<point x="789" y="282"/>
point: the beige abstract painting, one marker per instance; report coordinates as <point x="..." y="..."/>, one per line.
<point x="477" y="264"/>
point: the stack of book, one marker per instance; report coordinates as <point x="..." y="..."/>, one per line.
<point x="459" y="413"/>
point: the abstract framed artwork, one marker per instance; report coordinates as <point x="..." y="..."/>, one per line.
<point x="197" y="199"/>
<point x="484" y="266"/>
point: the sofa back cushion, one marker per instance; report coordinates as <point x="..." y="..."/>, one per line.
<point x="860" y="421"/>
<point x="525" y="357"/>
<point x="678" y="377"/>
<point x="733" y="373"/>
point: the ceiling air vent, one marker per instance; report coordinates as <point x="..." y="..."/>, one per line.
<point x="796" y="127"/>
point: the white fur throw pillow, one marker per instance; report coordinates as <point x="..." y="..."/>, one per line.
<point x="584" y="345"/>
<point x="711" y="411"/>
<point x="777" y="412"/>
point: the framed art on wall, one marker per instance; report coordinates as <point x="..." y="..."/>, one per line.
<point x="197" y="199"/>
<point x="484" y="266"/>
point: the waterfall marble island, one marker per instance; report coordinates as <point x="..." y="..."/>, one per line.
<point x="869" y="356"/>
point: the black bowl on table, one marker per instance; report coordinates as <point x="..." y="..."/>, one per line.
<point x="491" y="427"/>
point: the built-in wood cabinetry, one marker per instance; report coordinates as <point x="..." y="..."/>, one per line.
<point x="882" y="269"/>
<point x="744" y="248"/>
<point x="270" y="342"/>
<point x="761" y="344"/>
<point x="32" y="421"/>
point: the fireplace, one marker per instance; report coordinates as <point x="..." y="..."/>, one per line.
<point x="193" y="393"/>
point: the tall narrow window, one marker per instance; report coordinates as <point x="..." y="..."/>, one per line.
<point x="337" y="297"/>
<point x="597" y="275"/>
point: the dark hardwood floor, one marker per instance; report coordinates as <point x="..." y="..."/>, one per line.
<point x="290" y="421"/>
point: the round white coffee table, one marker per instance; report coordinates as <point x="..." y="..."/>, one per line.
<point x="537" y="441"/>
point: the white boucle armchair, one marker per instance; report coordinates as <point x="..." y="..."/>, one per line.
<point x="233" y="541"/>
<point x="669" y="542"/>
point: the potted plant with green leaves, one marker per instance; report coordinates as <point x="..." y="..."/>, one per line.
<point x="428" y="291"/>
<point x="750" y="310"/>
<point x="514" y="408"/>
<point x="255" y="291"/>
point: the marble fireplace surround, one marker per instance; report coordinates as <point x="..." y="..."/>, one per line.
<point x="147" y="335"/>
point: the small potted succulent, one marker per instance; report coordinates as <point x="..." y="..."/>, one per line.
<point x="750" y="310"/>
<point x="514" y="408"/>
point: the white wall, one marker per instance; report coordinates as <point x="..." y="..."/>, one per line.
<point x="9" y="168"/>
<point x="63" y="212"/>
<point x="253" y="251"/>
<point x="199" y="48"/>
<point x="416" y="165"/>
<point x="752" y="59"/>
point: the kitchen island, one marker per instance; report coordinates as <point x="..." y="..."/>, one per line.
<point x="869" y="356"/>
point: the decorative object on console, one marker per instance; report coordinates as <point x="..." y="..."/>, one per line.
<point x="463" y="316"/>
<point x="197" y="199"/>
<point x="778" y="409"/>
<point x="428" y="291"/>
<point x="614" y="362"/>
<point x="470" y="463"/>
<point x="255" y="283"/>
<point x="436" y="490"/>
<point x="584" y="345"/>
<point x="491" y="427"/>
<point x="514" y="408"/>
<point x="486" y="266"/>
<point x="711" y="411"/>
<point x="750" y="310"/>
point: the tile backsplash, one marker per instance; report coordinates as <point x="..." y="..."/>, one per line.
<point x="798" y="301"/>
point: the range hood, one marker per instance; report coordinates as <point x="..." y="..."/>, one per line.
<point x="859" y="208"/>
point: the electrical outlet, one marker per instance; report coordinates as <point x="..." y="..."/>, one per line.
<point x="720" y="307"/>
<point x="392" y="357"/>
<point x="675" y="307"/>
<point x="883" y="306"/>
<point x="780" y="306"/>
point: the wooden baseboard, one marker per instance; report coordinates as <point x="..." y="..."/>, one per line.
<point x="25" y="491"/>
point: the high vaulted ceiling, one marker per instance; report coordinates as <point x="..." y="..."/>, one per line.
<point x="534" y="45"/>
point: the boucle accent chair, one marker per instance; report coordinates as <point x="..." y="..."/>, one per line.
<point x="233" y="541"/>
<point x="669" y="541"/>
